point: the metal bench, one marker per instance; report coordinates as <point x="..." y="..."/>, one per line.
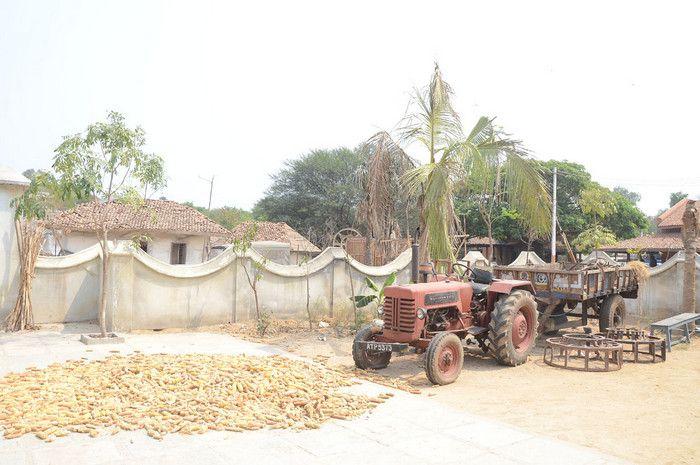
<point x="675" y="322"/>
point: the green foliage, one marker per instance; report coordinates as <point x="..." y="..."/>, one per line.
<point x="676" y="197"/>
<point x="573" y="180"/>
<point x="263" y="322"/>
<point x="593" y="238"/>
<point x="633" y="197"/>
<point x="597" y="202"/>
<point x="228" y="217"/>
<point x="314" y="193"/>
<point x="494" y="166"/>
<point x="106" y="160"/>
<point x="377" y="294"/>
<point x="627" y="221"/>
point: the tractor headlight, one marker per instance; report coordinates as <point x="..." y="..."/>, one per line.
<point x="421" y="313"/>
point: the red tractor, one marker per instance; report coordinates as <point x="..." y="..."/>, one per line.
<point x="443" y="315"/>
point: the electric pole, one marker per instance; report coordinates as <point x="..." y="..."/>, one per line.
<point x="554" y="216"/>
<point x="211" y="188"/>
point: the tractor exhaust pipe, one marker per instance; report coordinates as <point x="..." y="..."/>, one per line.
<point x="414" y="257"/>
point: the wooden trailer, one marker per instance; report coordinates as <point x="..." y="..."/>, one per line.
<point x="567" y="298"/>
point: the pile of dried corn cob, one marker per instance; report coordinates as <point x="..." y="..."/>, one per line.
<point x="164" y="394"/>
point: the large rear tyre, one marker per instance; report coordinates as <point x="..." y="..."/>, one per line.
<point x="366" y="359"/>
<point x="513" y="328"/>
<point x="444" y="359"/>
<point x="612" y="313"/>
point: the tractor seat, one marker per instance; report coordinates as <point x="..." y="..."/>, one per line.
<point x="479" y="288"/>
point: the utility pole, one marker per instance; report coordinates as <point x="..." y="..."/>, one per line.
<point x="554" y="216"/>
<point x="211" y="188"/>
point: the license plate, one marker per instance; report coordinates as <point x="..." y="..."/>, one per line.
<point x="378" y="347"/>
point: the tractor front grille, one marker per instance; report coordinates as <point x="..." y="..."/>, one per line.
<point x="399" y="314"/>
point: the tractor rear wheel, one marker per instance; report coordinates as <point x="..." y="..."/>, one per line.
<point x="444" y="359"/>
<point x="513" y="328"/>
<point x="365" y="359"/>
<point x="612" y="313"/>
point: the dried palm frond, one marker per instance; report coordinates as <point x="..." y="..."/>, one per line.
<point x="379" y="178"/>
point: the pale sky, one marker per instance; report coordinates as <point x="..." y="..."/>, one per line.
<point x="233" y="90"/>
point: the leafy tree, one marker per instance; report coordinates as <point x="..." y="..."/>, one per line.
<point x="314" y="192"/>
<point x="676" y="197"/>
<point x="593" y="238"/>
<point x="572" y="180"/>
<point x="485" y="155"/>
<point x="106" y="162"/>
<point x="633" y="197"/>
<point x="598" y="203"/>
<point x="253" y="274"/>
<point x="228" y="217"/>
<point x="628" y="221"/>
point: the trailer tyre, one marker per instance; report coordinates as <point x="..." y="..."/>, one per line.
<point x="612" y="313"/>
<point x="365" y="359"/>
<point x="513" y="328"/>
<point x="444" y="359"/>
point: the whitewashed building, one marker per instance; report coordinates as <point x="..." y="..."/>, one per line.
<point x="169" y="231"/>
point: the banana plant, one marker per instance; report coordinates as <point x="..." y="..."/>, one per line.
<point x="377" y="294"/>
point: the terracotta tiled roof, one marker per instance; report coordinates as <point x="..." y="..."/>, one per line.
<point x="671" y="242"/>
<point x="153" y="215"/>
<point x="278" y="232"/>
<point x="673" y="217"/>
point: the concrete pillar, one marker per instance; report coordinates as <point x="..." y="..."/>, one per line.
<point x="12" y="185"/>
<point x="120" y="288"/>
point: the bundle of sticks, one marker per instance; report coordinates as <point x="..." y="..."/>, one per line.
<point x="30" y="238"/>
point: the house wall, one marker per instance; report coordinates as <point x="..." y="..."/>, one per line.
<point x="159" y="245"/>
<point x="9" y="255"/>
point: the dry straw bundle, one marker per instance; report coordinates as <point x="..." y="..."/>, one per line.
<point x="641" y="270"/>
<point x="175" y="393"/>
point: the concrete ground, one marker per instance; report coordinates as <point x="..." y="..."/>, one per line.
<point x="407" y="428"/>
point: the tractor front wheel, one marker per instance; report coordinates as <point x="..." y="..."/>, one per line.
<point x="444" y="359"/>
<point x="513" y="328"/>
<point x="367" y="359"/>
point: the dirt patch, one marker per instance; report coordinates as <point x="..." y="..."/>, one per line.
<point x="645" y="413"/>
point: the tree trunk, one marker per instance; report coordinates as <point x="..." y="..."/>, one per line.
<point x="690" y="232"/>
<point x="424" y="241"/>
<point x="489" y="230"/>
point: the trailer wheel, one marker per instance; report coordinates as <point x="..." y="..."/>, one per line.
<point x="365" y="359"/>
<point x="444" y="359"/>
<point x="513" y="328"/>
<point x="612" y="312"/>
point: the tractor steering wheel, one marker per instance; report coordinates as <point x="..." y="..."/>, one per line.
<point x="465" y="273"/>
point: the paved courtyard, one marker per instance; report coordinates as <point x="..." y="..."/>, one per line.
<point x="407" y="428"/>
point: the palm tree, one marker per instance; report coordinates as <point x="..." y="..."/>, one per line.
<point x="456" y="159"/>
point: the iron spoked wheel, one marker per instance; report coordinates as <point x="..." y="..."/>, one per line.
<point x="444" y="359"/>
<point x="513" y="328"/>
<point x="367" y="359"/>
<point x="612" y="313"/>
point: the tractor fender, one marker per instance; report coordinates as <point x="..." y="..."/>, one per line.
<point x="500" y="287"/>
